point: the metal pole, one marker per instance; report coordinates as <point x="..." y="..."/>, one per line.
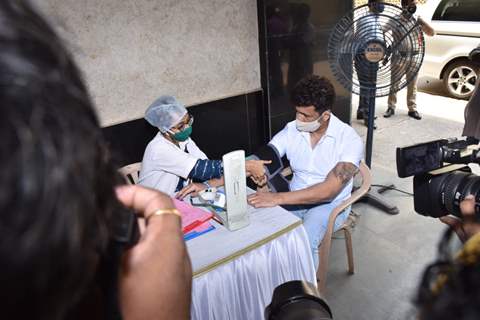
<point x="371" y="119"/>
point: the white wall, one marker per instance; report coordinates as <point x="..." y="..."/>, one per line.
<point x="132" y="51"/>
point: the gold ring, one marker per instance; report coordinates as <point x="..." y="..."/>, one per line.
<point x="161" y="212"/>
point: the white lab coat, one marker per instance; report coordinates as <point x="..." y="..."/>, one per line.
<point x="164" y="163"/>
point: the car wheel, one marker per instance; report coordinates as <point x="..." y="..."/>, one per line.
<point x="459" y="79"/>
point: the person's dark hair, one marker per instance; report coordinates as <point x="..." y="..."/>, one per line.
<point x="376" y="6"/>
<point x="449" y="289"/>
<point x="56" y="182"/>
<point x="406" y="3"/>
<point x="314" y="91"/>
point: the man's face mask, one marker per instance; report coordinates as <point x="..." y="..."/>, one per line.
<point x="308" y="126"/>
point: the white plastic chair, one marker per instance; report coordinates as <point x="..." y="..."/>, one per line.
<point x="131" y="172"/>
<point x="324" y="248"/>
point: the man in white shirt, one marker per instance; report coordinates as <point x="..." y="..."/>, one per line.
<point x="324" y="155"/>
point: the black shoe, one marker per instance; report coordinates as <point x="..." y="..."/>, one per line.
<point x="361" y="115"/>
<point x="390" y="112"/>
<point x="414" y="115"/>
<point x="365" y="122"/>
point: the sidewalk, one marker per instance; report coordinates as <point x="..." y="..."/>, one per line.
<point x="391" y="252"/>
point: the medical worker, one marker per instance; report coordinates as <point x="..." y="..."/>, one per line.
<point x="172" y="159"/>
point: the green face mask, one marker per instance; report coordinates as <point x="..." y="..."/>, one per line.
<point x="183" y="135"/>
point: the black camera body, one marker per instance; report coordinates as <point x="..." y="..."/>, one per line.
<point x="297" y="300"/>
<point x="124" y="234"/>
<point x="441" y="177"/>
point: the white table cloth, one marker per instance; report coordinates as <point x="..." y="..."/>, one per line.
<point x="235" y="273"/>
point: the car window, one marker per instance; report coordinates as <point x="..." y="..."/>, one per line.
<point x="458" y="10"/>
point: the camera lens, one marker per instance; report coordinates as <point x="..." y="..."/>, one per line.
<point x="457" y="186"/>
<point x="297" y="300"/>
<point x="440" y="195"/>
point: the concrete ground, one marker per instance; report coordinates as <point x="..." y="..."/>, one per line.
<point x="390" y="252"/>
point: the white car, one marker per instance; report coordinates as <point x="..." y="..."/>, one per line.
<point x="457" y="27"/>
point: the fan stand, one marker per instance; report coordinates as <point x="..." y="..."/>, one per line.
<point x="361" y="35"/>
<point x="375" y="197"/>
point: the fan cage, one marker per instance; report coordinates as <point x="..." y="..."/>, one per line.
<point x="401" y="38"/>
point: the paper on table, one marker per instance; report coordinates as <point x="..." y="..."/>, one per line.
<point x="198" y="231"/>
<point x="192" y="217"/>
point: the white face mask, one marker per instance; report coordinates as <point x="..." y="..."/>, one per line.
<point x="307" y="126"/>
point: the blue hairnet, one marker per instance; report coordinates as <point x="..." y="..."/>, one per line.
<point x="165" y="112"/>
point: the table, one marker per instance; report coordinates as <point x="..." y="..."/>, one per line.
<point x="235" y="273"/>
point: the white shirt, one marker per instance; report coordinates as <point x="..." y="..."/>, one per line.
<point x="340" y="143"/>
<point x="164" y="163"/>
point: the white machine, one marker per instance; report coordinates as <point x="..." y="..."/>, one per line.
<point x="236" y="216"/>
<point x="229" y="204"/>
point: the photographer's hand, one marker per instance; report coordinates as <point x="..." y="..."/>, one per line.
<point x="467" y="227"/>
<point x="156" y="274"/>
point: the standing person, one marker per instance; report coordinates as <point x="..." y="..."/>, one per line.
<point x="472" y="110"/>
<point x="301" y="43"/>
<point x="277" y="30"/>
<point x="406" y="48"/>
<point x="324" y="155"/>
<point x="172" y="158"/>
<point x="370" y="31"/>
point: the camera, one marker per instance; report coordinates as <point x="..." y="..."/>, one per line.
<point x="297" y="300"/>
<point x="441" y="175"/>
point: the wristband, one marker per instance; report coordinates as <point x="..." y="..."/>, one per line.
<point x="207" y="184"/>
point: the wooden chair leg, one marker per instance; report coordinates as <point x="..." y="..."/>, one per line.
<point x="323" y="254"/>
<point x="348" y="244"/>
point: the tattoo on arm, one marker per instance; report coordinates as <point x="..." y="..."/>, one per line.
<point x="344" y="171"/>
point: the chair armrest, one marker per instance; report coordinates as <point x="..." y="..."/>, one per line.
<point x="355" y="196"/>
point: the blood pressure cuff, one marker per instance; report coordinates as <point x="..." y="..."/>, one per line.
<point x="276" y="182"/>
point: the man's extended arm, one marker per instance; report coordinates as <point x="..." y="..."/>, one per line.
<point x="325" y="191"/>
<point x="426" y="27"/>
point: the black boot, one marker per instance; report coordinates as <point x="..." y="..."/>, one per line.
<point x="390" y="112"/>
<point x="361" y="115"/>
<point x="365" y="121"/>
<point x="415" y="115"/>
